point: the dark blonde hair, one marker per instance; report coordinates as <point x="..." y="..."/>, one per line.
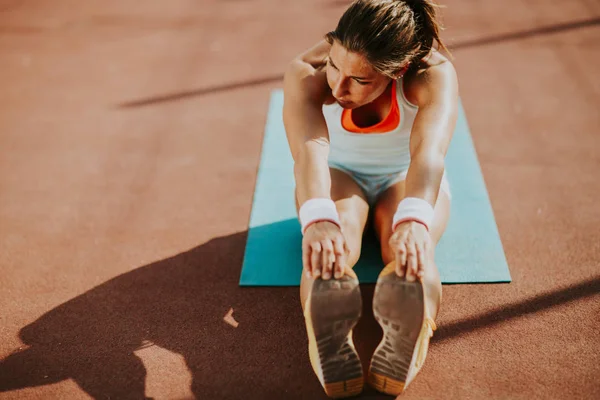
<point x="389" y="33"/>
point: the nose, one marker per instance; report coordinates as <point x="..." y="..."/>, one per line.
<point x="339" y="88"/>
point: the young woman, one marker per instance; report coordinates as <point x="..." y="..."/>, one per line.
<point x="369" y="113"/>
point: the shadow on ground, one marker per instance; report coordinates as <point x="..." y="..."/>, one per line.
<point x="466" y="44"/>
<point x="178" y="304"/>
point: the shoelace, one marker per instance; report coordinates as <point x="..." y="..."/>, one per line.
<point x="423" y="341"/>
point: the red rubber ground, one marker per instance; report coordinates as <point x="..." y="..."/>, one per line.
<point x="130" y="136"/>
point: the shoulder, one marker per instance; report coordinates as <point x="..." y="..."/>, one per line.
<point x="434" y="80"/>
<point x="305" y="75"/>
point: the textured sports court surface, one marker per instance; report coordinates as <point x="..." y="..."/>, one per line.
<point x="130" y="136"/>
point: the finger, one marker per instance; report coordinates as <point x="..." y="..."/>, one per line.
<point x="411" y="262"/>
<point x="315" y="259"/>
<point x="346" y="250"/>
<point x="393" y="243"/>
<point x="426" y="244"/>
<point x="306" y="259"/>
<point x="422" y="261"/>
<point x="400" y="259"/>
<point x="340" y="257"/>
<point x="346" y="247"/>
<point x="346" y="255"/>
<point x="327" y="257"/>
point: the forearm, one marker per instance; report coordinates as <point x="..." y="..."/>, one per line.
<point x="311" y="172"/>
<point x="425" y="176"/>
<point x="436" y="94"/>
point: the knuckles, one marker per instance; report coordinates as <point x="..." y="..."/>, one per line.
<point x="327" y="246"/>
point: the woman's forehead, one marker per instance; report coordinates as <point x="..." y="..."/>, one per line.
<point x="352" y="64"/>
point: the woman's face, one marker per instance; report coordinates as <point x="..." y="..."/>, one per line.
<point x="352" y="79"/>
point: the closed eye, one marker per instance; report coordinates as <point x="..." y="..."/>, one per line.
<point x="356" y="78"/>
<point x="331" y="63"/>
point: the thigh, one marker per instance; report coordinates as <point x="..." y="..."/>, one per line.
<point x="388" y="203"/>
<point x="350" y="200"/>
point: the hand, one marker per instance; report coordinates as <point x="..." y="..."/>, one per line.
<point x="410" y="244"/>
<point x="323" y="248"/>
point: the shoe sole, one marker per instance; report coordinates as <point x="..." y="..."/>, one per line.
<point x="335" y="308"/>
<point x="398" y="306"/>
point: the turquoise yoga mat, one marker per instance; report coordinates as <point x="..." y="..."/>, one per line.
<point x="469" y="251"/>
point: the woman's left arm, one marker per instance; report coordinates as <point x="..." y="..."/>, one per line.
<point x="435" y="92"/>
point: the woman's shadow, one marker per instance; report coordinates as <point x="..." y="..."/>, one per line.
<point x="177" y="304"/>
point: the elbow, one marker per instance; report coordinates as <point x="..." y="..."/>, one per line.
<point x="432" y="160"/>
<point x="292" y="71"/>
<point x="312" y="153"/>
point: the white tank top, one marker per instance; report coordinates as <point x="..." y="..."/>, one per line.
<point x="371" y="153"/>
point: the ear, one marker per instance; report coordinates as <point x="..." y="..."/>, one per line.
<point x="400" y="73"/>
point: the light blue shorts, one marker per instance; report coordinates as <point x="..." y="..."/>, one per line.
<point x="374" y="185"/>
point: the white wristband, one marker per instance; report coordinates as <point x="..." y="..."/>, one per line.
<point x="316" y="210"/>
<point x="413" y="209"/>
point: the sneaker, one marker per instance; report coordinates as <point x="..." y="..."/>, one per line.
<point x="332" y="309"/>
<point x="399" y="307"/>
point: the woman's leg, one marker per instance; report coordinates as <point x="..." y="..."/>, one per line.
<point x="353" y="209"/>
<point x="331" y="306"/>
<point x="384" y="213"/>
<point x="405" y="310"/>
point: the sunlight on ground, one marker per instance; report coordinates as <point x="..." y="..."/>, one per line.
<point x="167" y="376"/>
<point x="66" y="389"/>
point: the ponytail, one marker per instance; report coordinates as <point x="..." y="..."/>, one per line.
<point x="428" y="26"/>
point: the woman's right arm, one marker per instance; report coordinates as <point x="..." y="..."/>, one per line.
<point x="305" y="89"/>
<point x="324" y="250"/>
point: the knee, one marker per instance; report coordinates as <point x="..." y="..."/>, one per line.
<point x="351" y="224"/>
<point x="352" y="229"/>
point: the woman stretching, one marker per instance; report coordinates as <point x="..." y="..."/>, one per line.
<point x="369" y="113"/>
